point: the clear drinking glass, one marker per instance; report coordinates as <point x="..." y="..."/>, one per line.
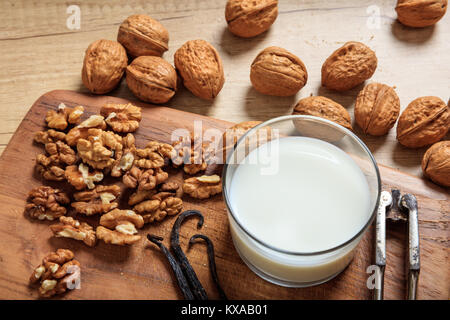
<point x="284" y="267"/>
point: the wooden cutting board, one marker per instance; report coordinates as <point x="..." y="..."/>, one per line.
<point x="141" y="272"/>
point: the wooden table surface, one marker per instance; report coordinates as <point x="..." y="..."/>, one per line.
<point x="39" y="53"/>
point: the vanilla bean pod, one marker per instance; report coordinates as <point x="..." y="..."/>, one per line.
<point x="212" y="262"/>
<point x="196" y="287"/>
<point x="179" y="275"/>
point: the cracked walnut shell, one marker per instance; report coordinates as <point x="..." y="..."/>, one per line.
<point x="100" y="149"/>
<point x="122" y="117"/>
<point x="99" y="200"/>
<point x="436" y="163"/>
<point x="248" y="18"/>
<point x="325" y="108"/>
<point x="348" y="66"/>
<point x="123" y="224"/>
<point x="202" y="187"/>
<point x="57" y="273"/>
<point x="71" y="228"/>
<point x="152" y="79"/>
<point x="277" y="72"/>
<point x="104" y="63"/>
<point x="377" y="108"/>
<point x="201" y="69"/>
<point x="143" y="36"/>
<point x="46" y="203"/>
<point x="61" y="118"/>
<point x="420" y="13"/>
<point x="425" y="120"/>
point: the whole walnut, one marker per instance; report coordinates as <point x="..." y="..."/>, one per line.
<point x="348" y="66"/>
<point x="152" y="79"/>
<point x="425" y="120"/>
<point x="420" y="13"/>
<point x="436" y="163"/>
<point x="377" y="108"/>
<point x="143" y="36"/>
<point x="232" y="135"/>
<point x="277" y="72"/>
<point x="248" y="18"/>
<point x="200" y="67"/>
<point x="325" y="108"/>
<point x="104" y="64"/>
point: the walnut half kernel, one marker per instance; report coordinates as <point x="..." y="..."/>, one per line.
<point x="144" y="179"/>
<point x="52" y="167"/>
<point x="126" y="161"/>
<point x="119" y="227"/>
<point x="46" y="203"/>
<point x="100" y="149"/>
<point x="57" y="273"/>
<point x="156" y="206"/>
<point x="71" y="228"/>
<point x="99" y="200"/>
<point x="80" y="177"/>
<point x="82" y="130"/>
<point x="122" y="117"/>
<point x="202" y="187"/>
<point x="192" y="153"/>
<point x="61" y="118"/>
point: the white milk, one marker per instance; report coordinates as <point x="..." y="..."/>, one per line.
<point x="318" y="199"/>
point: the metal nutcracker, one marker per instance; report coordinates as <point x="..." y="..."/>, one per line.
<point x="396" y="208"/>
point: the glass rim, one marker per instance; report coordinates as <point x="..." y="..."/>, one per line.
<point x="336" y="126"/>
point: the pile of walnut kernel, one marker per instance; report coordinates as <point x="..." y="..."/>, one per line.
<point x="82" y="152"/>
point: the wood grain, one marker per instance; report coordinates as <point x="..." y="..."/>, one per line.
<point x="140" y="271"/>
<point x="39" y="53"/>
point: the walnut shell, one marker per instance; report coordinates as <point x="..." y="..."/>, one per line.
<point x="436" y="163"/>
<point x="152" y="79"/>
<point x="425" y="121"/>
<point x="420" y="13"/>
<point x="234" y="133"/>
<point x="377" y="108"/>
<point x="200" y="67"/>
<point x="143" y="36"/>
<point x="325" y="108"/>
<point x="104" y="64"/>
<point x="277" y="72"/>
<point x="348" y="66"/>
<point x="248" y="18"/>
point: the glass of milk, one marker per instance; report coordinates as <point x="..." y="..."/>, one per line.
<point x="300" y="193"/>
